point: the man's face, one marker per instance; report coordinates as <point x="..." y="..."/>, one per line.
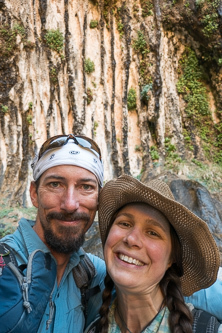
<point x="67" y="199"/>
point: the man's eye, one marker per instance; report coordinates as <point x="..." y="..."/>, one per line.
<point x="87" y="187"/>
<point x="54" y="184"/>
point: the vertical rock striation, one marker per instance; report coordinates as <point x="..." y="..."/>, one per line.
<point x="68" y="66"/>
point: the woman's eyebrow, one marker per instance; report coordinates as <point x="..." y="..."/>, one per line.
<point x="156" y="223"/>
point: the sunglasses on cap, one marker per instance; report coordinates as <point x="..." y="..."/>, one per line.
<point x="61" y="140"/>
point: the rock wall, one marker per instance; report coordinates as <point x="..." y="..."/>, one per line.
<point x="117" y="71"/>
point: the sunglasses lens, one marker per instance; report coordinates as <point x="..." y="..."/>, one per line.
<point x="83" y="142"/>
<point x="56" y="141"/>
<point x="60" y="140"/>
<point x="88" y="143"/>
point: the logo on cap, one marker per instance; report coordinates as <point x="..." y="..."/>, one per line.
<point x="52" y="156"/>
<point x="74" y="152"/>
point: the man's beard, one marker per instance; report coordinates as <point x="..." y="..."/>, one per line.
<point x="67" y="239"/>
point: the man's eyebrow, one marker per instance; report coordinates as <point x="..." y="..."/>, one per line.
<point x="88" y="180"/>
<point x="57" y="177"/>
<point x="54" y="177"/>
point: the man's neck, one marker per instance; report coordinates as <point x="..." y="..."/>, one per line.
<point x="62" y="261"/>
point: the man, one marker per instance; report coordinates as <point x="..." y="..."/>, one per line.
<point x="68" y="173"/>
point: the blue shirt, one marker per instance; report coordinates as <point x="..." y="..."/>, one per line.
<point x="68" y="315"/>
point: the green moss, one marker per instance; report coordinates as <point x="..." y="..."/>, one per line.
<point x="138" y="148"/>
<point x="53" y="75"/>
<point x="131" y="99"/>
<point x="144" y="93"/>
<point x="154" y="153"/>
<point x="93" y="24"/>
<point x="210" y="22"/>
<point x="29" y="119"/>
<point x="140" y="44"/>
<point x="8" y="39"/>
<point x="147" y="7"/>
<point x="191" y="86"/>
<point x="89" y="66"/>
<point x="89" y="95"/>
<point x="4" y="108"/>
<point x="55" y="40"/>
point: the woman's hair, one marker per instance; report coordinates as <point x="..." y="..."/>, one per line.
<point x="180" y="318"/>
<point x="104" y="310"/>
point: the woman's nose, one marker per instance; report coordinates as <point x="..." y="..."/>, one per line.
<point x="133" y="238"/>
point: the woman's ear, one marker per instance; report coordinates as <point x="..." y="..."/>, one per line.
<point x="33" y="194"/>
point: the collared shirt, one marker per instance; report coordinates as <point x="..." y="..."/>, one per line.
<point x="68" y="314"/>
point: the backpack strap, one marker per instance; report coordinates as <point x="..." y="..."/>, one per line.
<point x="83" y="274"/>
<point x="204" y="322"/>
<point x="6" y="256"/>
<point x="24" y="295"/>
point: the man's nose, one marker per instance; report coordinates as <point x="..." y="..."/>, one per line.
<point x="70" y="200"/>
<point x="134" y="238"/>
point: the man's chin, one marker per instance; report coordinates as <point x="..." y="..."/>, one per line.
<point x="67" y="242"/>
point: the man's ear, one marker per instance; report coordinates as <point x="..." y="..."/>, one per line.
<point x="33" y="194"/>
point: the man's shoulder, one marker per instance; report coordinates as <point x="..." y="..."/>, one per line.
<point x="98" y="262"/>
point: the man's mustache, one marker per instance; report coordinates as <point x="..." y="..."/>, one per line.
<point x="68" y="217"/>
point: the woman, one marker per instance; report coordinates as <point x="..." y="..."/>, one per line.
<point x="156" y="251"/>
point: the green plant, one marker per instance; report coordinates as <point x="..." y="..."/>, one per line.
<point x="95" y="127"/>
<point x="144" y="93"/>
<point x="120" y="27"/>
<point x="29" y="119"/>
<point x="138" y="148"/>
<point x="140" y="44"/>
<point x="210" y="24"/>
<point x="30" y="105"/>
<point x="89" y="66"/>
<point x="198" y="163"/>
<point x="154" y="153"/>
<point x="190" y="85"/>
<point x="19" y="29"/>
<point x="53" y="75"/>
<point x="4" y="108"/>
<point x="147" y="8"/>
<point x="6" y="229"/>
<point x="54" y="40"/>
<point x="131" y="99"/>
<point x="89" y="95"/>
<point x="93" y="24"/>
<point x="7" y="40"/>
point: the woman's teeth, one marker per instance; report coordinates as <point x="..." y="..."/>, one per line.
<point x="130" y="260"/>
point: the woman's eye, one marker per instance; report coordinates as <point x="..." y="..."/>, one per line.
<point x="153" y="233"/>
<point x="124" y="224"/>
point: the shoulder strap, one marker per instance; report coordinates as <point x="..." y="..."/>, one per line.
<point x="83" y="274"/>
<point x="204" y="322"/>
<point x="6" y="256"/>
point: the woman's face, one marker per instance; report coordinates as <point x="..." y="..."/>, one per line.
<point x="138" y="248"/>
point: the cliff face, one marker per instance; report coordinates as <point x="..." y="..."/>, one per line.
<point x="142" y="78"/>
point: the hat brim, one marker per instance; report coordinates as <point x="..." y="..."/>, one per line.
<point x="201" y="257"/>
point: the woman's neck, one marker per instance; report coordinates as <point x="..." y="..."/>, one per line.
<point x="134" y="312"/>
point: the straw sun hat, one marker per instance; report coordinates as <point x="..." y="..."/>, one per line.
<point x="200" y="255"/>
